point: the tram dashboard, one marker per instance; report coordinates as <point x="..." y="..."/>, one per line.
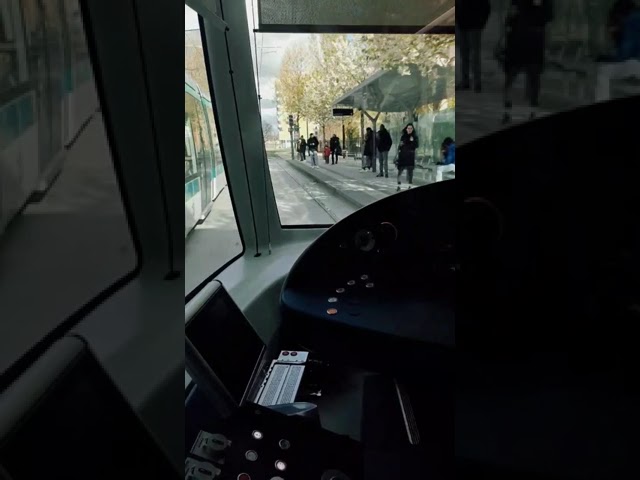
<point x="403" y="242"/>
<point x="382" y="279"/>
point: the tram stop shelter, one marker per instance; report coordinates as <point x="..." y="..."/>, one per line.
<point x="394" y="92"/>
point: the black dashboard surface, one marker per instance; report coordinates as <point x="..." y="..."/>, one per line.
<point x="382" y="278"/>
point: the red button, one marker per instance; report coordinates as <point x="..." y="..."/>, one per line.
<point x="244" y="476"/>
<point x="285" y="353"/>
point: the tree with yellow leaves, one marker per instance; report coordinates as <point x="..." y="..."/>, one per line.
<point x="424" y="51"/>
<point x="292" y="81"/>
<point x="194" y="66"/>
<point x="431" y="56"/>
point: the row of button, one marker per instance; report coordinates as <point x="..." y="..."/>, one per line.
<point x="333" y="311"/>
<point x="252" y="456"/>
<point x="284" y="444"/>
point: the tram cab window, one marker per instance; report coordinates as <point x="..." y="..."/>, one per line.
<point x="212" y="237"/>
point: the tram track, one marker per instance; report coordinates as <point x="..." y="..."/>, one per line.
<point x="286" y="169"/>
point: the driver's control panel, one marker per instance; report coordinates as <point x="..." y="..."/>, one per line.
<point x="259" y="444"/>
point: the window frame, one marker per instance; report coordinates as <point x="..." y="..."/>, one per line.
<point x="127" y="196"/>
<point x="205" y="20"/>
<point x="227" y="52"/>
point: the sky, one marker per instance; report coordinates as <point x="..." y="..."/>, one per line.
<point x="270" y="48"/>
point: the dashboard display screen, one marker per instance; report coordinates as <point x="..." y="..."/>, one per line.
<point x="226" y="341"/>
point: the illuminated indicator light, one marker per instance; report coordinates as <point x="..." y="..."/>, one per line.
<point x="340" y="290"/>
<point x="257" y="435"/>
<point x="332" y="311"/>
<point x="280" y="465"/>
<point x="333" y="300"/>
<point x="369" y="285"/>
<point x="351" y="283"/>
<point x="364" y="277"/>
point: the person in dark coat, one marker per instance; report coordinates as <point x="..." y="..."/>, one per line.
<point x="407" y="154"/>
<point x="313" y="144"/>
<point x="384" y="145"/>
<point x="367" y="153"/>
<point x="302" y="148"/>
<point x="525" y="48"/>
<point x="471" y="18"/>
<point x="336" y="150"/>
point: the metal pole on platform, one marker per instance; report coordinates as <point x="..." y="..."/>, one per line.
<point x="362" y="134"/>
<point x="293" y="156"/>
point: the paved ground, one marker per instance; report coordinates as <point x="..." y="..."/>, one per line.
<point x="212" y="244"/>
<point x="348" y="181"/>
<point x="301" y="200"/>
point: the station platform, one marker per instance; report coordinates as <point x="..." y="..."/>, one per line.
<point x="347" y="180"/>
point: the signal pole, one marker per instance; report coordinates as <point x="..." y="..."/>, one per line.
<point x="291" y="136"/>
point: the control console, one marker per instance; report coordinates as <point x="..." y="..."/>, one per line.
<point x="257" y="443"/>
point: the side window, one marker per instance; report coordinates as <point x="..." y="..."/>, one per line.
<point x="63" y="225"/>
<point x="212" y="238"/>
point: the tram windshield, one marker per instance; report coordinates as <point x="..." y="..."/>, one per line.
<point x="347" y="119"/>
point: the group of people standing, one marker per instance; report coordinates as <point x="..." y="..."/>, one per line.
<point x="377" y="146"/>
<point x="331" y="149"/>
